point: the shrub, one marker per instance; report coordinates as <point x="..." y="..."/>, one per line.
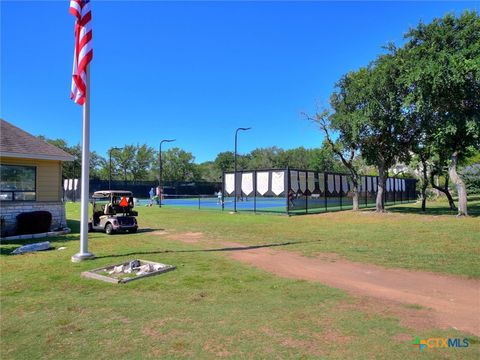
<point x="471" y="175"/>
<point x="34" y="222"/>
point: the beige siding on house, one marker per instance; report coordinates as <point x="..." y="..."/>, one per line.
<point x="49" y="176"/>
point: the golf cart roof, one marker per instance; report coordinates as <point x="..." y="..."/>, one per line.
<point x="107" y="193"/>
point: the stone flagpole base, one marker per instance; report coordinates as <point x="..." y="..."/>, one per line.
<point x="82" y="256"/>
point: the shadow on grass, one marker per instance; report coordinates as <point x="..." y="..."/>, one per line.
<point x="473" y="210"/>
<point x="74" y="226"/>
<point x="145" y="230"/>
<point x="58" y="239"/>
<point x="74" y="235"/>
<point x="235" y="248"/>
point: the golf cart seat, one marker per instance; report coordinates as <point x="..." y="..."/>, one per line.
<point x="96" y="216"/>
<point x="108" y="210"/>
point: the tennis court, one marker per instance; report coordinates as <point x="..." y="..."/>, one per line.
<point x="211" y="202"/>
<point x="299" y="205"/>
<point x="292" y="192"/>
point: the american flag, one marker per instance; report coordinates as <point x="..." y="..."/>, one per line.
<point x="83" y="52"/>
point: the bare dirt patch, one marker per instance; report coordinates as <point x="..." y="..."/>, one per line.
<point x="402" y="337"/>
<point x="219" y="350"/>
<point x="449" y="302"/>
<point x="419" y="319"/>
<point x="433" y="300"/>
<point x="188" y="237"/>
<point x="159" y="232"/>
<point x="312" y="346"/>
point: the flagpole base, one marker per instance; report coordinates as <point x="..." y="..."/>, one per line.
<point x="82" y="256"/>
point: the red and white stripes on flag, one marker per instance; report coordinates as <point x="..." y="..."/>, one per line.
<point x="83" y="52"/>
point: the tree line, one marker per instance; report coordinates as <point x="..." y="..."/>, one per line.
<point x="418" y="103"/>
<point x="141" y="162"/>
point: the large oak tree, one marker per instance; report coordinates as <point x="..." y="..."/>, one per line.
<point x="441" y="73"/>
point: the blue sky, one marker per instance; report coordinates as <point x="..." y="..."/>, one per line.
<point x="194" y="71"/>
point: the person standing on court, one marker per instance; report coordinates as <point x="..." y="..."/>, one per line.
<point x="159" y="194"/>
<point x="151" y="193"/>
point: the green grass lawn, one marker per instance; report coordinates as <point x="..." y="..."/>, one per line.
<point x="401" y="238"/>
<point x="212" y="306"/>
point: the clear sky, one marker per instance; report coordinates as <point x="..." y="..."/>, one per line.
<point x="194" y="71"/>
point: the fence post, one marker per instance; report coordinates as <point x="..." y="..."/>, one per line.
<point x="325" y="189"/>
<point x="366" y="191"/>
<point x="254" y="191"/>
<point x="306" y="192"/>
<point x="223" y="191"/>
<point x="401" y="191"/>
<point x="384" y="192"/>
<point x="74" y="191"/>
<point x="287" y="189"/>
<point x="341" y="191"/>
<point x="393" y="192"/>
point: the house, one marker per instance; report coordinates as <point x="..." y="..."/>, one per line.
<point x="31" y="177"/>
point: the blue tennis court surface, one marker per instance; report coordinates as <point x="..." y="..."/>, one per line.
<point x="214" y="203"/>
<point x="265" y="204"/>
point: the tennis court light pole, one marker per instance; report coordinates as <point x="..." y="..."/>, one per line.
<point x="160" y="169"/>
<point x="110" y="166"/>
<point x="235" y="169"/>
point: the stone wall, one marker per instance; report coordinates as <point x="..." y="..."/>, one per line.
<point x="10" y="210"/>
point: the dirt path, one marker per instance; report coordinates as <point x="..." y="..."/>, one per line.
<point x="446" y="301"/>
<point x="454" y="302"/>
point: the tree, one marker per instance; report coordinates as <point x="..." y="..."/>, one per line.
<point x="97" y="163"/>
<point x="122" y="159"/>
<point x="224" y="161"/>
<point x="178" y="165"/>
<point x="143" y="160"/>
<point x="439" y="169"/>
<point x="325" y="159"/>
<point x="368" y="114"/>
<point x="297" y="158"/>
<point x="265" y="158"/>
<point x="317" y="159"/>
<point x="132" y="162"/>
<point x="73" y="169"/>
<point x="441" y="71"/>
<point x="419" y="162"/>
<point x="207" y="171"/>
<point x="471" y="174"/>
<point x="345" y="147"/>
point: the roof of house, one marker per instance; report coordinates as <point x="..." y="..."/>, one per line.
<point x="16" y="143"/>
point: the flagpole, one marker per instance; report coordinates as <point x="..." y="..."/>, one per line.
<point x="84" y="254"/>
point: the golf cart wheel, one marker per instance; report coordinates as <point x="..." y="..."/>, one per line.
<point x="90" y="227"/>
<point x="109" y="229"/>
<point x="133" y="230"/>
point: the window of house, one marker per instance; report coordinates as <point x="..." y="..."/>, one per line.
<point x="18" y="183"/>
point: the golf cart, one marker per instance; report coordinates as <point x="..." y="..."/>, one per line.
<point x="113" y="212"/>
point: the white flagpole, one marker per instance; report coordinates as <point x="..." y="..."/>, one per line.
<point x="84" y="254"/>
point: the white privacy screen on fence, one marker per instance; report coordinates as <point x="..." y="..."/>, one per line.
<point x="294" y="180"/>
<point x="302" y="180"/>
<point x="262" y="182"/>
<point x="278" y="182"/>
<point x="344" y="184"/>
<point x="247" y="183"/>
<point x="229" y="183"/>
<point x="71" y="190"/>
<point x="337" y="184"/>
<point x="321" y="182"/>
<point x="296" y="191"/>
<point x="311" y="182"/>
<point x="331" y="183"/>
